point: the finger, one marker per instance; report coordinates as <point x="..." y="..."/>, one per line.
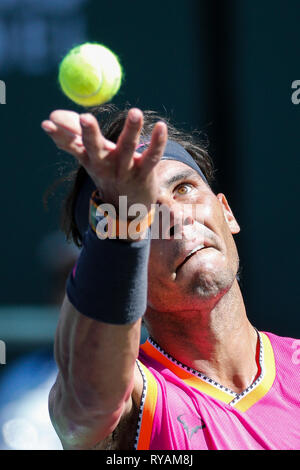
<point x="64" y="128"/>
<point x="95" y="143"/>
<point x="65" y="140"/>
<point x="129" y="139"/>
<point x="68" y="120"/>
<point x="155" y="151"/>
<point x="57" y="130"/>
<point x="48" y="126"/>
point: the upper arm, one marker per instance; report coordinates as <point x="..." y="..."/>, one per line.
<point x="124" y="434"/>
<point x="114" y="430"/>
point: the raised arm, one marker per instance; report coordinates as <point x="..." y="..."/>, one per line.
<point x="98" y="386"/>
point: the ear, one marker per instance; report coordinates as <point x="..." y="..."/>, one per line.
<point x="229" y="217"/>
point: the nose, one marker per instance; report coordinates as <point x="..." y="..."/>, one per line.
<point x="173" y="218"/>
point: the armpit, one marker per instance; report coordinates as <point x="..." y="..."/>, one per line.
<point x="122" y="438"/>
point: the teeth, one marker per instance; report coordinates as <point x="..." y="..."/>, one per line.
<point x="196" y="249"/>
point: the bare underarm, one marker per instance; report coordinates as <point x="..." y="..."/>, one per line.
<point x="123" y="437"/>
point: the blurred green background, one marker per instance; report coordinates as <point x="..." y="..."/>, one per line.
<point x="225" y="68"/>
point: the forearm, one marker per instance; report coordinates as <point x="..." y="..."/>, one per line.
<point x="96" y="359"/>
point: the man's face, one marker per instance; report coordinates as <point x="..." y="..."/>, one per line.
<point x="195" y="258"/>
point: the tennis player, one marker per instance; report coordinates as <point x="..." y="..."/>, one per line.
<point x="206" y="378"/>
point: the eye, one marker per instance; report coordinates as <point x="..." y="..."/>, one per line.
<point x="184" y="188"/>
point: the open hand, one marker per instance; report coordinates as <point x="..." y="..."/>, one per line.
<point x="116" y="169"/>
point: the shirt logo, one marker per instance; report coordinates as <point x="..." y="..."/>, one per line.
<point x="191" y="424"/>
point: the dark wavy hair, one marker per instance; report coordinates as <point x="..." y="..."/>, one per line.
<point x="111" y="121"/>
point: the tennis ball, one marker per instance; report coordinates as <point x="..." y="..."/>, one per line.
<point x="90" y="74"/>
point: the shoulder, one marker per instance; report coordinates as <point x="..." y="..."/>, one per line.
<point x="282" y="344"/>
<point x="286" y="353"/>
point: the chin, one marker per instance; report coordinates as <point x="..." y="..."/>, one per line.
<point x="211" y="286"/>
<point x="209" y="279"/>
<point x="203" y="278"/>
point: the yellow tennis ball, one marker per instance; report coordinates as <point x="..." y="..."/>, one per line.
<point x="90" y="74"/>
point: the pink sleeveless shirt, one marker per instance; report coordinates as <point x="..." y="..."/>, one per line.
<point x="182" y="409"/>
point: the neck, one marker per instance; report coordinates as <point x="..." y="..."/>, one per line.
<point x="217" y="339"/>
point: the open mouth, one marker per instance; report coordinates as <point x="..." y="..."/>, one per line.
<point x="190" y="254"/>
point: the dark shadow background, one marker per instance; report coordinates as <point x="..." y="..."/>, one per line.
<point x="222" y="67"/>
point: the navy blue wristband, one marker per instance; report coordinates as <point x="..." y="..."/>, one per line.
<point x="109" y="281"/>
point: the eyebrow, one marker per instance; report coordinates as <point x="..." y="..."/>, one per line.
<point x="179" y="176"/>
